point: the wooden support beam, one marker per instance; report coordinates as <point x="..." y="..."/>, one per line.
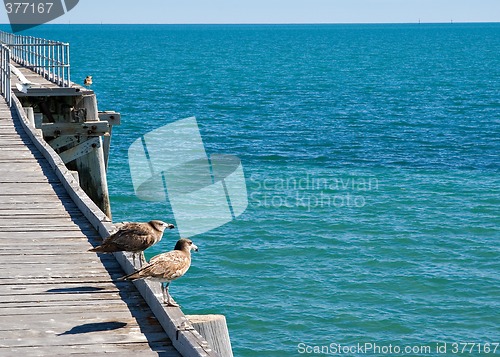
<point x="38" y="120"/>
<point x="213" y="328"/>
<point x="79" y="150"/>
<point x="31" y="115"/>
<point x="106" y="146"/>
<point x="94" y="128"/>
<point x="112" y="117"/>
<point x="62" y="141"/>
<point x="91" y="167"/>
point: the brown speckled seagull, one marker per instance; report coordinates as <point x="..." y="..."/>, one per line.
<point x="167" y="267"/>
<point x="134" y="237"/>
<point x="87" y="82"/>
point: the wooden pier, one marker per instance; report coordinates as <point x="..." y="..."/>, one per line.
<point x="57" y="299"/>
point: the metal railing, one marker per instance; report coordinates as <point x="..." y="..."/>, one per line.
<point x="5" y="73"/>
<point x="48" y="58"/>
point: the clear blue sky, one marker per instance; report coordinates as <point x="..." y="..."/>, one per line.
<point x="279" y="11"/>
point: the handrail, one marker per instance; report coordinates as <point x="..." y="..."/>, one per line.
<point x="48" y="58"/>
<point x="5" y="74"/>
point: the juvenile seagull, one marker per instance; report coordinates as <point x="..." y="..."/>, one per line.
<point x="167" y="267"/>
<point x="87" y="81"/>
<point x="134" y="237"/>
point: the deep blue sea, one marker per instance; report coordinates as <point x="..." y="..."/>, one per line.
<point x="371" y="157"/>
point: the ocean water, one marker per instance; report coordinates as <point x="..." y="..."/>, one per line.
<point x="371" y="154"/>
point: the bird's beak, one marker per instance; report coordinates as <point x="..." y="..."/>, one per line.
<point x="170" y="226"/>
<point x="194" y="247"/>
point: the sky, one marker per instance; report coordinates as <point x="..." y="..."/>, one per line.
<point x="278" y="11"/>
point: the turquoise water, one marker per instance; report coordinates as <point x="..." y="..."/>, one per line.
<point x="371" y="154"/>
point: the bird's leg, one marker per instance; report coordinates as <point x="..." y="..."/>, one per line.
<point x="167" y="299"/>
<point x="163" y="291"/>
<point x="133" y="258"/>
<point x="142" y="259"/>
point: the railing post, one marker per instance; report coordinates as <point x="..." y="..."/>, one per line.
<point x="5" y="73"/>
<point x="68" y="68"/>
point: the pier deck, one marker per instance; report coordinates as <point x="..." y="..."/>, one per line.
<point x="40" y="85"/>
<point x="56" y="299"/>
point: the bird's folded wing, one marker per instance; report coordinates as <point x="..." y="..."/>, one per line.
<point x="171" y="265"/>
<point x="132" y="238"/>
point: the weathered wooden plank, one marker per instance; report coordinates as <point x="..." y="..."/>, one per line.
<point x="25" y="200"/>
<point x="58" y="219"/>
<point x="58" y="304"/>
<point x="51" y="263"/>
<point x="64" y="290"/>
<point x="59" y="260"/>
<point x="16" y="235"/>
<point x="76" y="322"/>
<point x="119" y="350"/>
<point x="42" y="248"/>
<point x="27" y="280"/>
<point x="60" y="265"/>
<point x="75" y="319"/>
<point x="6" y="230"/>
<point x="39" y="242"/>
<point x="51" y="276"/>
<point x="32" y="199"/>
<point x="11" y="143"/>
<point x="87" y="301"/>
<point x="23" y="168"/>
<point x="35" y="210"/>
<point x="50" y="271"/>
<point x="52" y="339"/>
<point x="25" y="178"/>
<point x="29" y="164"/>
<point x="20" y="226"/>
<point x="62" y="220"/>
<point x="25" y="188"/>
<point x="12" y="153"/>
<point x="13" y="277"/>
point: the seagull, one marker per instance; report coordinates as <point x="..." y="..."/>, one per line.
<point x="87" y="81"/>
<point x="134" y="237"/>
<point x="167" y="267"/>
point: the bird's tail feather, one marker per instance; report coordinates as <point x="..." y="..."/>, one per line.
<point x="132" y="276"/>
<point x="105" y="248"/>
<point x="96" y="249"/>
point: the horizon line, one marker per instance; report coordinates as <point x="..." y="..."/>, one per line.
<point x="273" y="23"/>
